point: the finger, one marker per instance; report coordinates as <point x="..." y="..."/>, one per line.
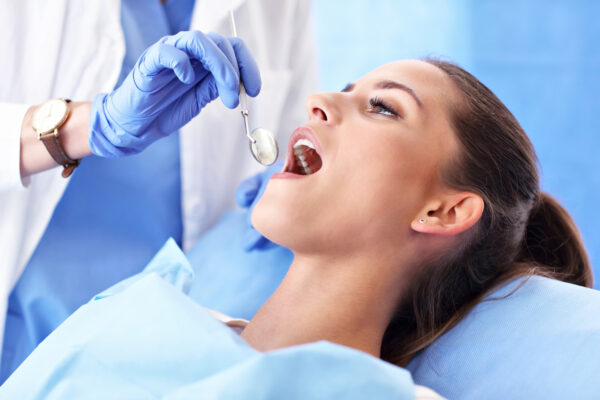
<point x="179" y="112"/>
<point x="247" y="66"/>
<point x="226" y="47"/>
<point x="206" y="91"/>
<point x="247" y="190"/>
<point x="201" y="47"/>
<point x="191" y="102"/>
<point x="163" y="56"/>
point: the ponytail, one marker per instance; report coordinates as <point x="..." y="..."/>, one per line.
<point x="552" y="245"/>
<point x="521" y="232"/>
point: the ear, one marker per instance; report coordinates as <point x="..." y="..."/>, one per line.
<point x="450" y="215"/>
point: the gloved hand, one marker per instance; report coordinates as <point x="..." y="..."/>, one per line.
<point x="247" y="195"/>
<point x="168" y="86"/>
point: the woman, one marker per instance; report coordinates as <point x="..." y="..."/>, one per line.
<point x="406" y="198"/>
<point x="436" y="202"/>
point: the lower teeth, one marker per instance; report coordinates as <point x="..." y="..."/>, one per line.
<point x="301" y="154"/>
<point x="304" y="167"/>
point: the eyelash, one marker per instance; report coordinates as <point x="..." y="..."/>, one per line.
<point x="377" y="103"/>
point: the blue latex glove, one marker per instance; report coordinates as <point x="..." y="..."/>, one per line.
<point x="247" y="195"/>
<point x="168" y="86"/>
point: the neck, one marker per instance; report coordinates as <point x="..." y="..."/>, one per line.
<point x="344" y="300"/>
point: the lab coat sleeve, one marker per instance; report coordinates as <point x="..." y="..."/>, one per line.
<point x="78" y="55"/>
<point x="11" y="119"/>
<point x="26" y="205"/>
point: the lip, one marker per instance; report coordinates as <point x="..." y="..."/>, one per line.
<point x="287" y="175"/>
<point x="302" y="132"/>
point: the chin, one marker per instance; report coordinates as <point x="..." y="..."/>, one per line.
<point x="268" y="221"/>
<point x="275" y="219"/>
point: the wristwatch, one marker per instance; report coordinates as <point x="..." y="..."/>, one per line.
<point x="48" y="117"/>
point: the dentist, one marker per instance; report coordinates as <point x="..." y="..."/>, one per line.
<point x="88" y="192"/>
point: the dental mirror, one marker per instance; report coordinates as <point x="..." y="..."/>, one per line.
<point x="264" y="148"/>
<point x="263" y="145"/>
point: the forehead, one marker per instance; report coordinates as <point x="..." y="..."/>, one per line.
<point x="430" y="83"/>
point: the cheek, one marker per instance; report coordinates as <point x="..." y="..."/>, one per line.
<point x="383" y="200"/>
<point x="381" y="195"/>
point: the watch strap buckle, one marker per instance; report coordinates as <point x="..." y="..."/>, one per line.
<point x="69" y="168"/>
<point x="58" y="154"/>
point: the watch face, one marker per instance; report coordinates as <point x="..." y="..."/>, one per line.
<point x="49" y="115"/>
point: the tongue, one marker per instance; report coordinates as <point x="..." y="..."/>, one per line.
<point x="312" y="159"/>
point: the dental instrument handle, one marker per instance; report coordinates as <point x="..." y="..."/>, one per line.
<point x="247" y="124"/>
<point x="232" y="24"/>
<point x="243" y="95"/>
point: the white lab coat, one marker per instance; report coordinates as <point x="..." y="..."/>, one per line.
<point x="74" y="49"/>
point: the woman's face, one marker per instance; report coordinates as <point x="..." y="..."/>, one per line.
<point x="381" y="142"/>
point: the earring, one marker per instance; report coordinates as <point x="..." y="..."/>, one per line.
<point x="422" y="221"/>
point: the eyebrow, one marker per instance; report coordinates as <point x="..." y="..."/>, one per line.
<point x="389" y="85"/>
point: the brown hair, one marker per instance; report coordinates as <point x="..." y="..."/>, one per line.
<point x="521" y="231"/>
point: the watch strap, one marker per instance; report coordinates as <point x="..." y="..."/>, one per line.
<point x="55" y="149"/>
<point x="57" y="152"/>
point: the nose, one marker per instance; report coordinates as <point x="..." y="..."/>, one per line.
<point x="323" y="107"/>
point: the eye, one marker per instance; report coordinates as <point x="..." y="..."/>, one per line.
<point x="379" y="106"/>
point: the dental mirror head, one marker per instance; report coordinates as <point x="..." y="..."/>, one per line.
<point x="264" y="147"/>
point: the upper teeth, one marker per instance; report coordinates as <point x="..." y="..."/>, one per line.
<point x="304" y="142"/>
<point x="300" y="147"/>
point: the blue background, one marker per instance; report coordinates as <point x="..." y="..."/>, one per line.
<point x="541" y="58"/>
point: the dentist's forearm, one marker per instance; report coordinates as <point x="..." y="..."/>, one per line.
<point x="73" y="136"/>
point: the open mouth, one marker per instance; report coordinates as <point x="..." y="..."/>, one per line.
<point x="303" y="155"/>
